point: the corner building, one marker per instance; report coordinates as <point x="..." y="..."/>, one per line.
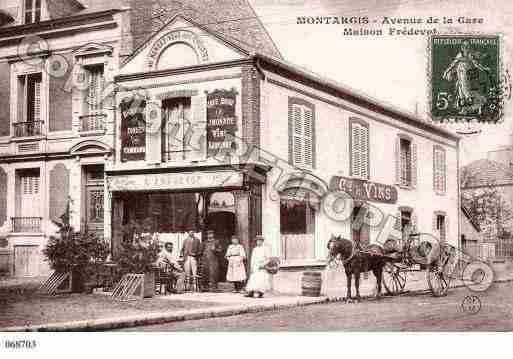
<point x="210" y="128"/>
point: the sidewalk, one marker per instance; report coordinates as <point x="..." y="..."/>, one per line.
<point x="23" y="310"/>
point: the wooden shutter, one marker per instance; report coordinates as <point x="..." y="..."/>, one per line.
<point x="308" y="136"/>
<point x="413" y="149"/>
<point x="37" y="100"/>
<point x="360" y="151"/>
<point x="398" y="166"/>
<point x="152" y="115"/>
<point x="297" y="135"/>
<point x="196" y="135"/>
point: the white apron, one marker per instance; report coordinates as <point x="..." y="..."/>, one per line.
<point x="236" y="270"/>
<point x="260" y="279"/>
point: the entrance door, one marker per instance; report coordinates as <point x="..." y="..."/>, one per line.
<point x="360" y="230"/>
<point x="223" y="225"/>
<point x="94" y="199"/>
<point x="26" y="261"/>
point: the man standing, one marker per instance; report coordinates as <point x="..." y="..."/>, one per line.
<point x="211" y="252"/>
<point x="191" y="250"/>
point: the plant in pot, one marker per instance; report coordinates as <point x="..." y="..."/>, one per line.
<point x="138" y="255"/>
<point x="80" y="253"/>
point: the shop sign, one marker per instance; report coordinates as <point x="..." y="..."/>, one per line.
<point x="174" y="181"/>
<point x="133" y="129"/>
<point x="221" y="121"/>
<point x="364" y="190"/>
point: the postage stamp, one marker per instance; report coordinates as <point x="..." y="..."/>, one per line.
<point x="465" y="78"/>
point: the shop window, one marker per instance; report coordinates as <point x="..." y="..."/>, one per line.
<point x="176" y="113"/>
<point x="32" y="11"/>
<point x="297" y="227"/>
<point x="439" y="170"/>
<point x="301" y="133"/>
<point x="359" y="140"/>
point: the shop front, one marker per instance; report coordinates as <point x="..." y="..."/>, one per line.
<point x="172" y="203"/>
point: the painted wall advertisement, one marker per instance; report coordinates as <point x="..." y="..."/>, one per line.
<point x="133" y="129"/>
<point x="364" y="190"/>
<point x="221" y="121"/>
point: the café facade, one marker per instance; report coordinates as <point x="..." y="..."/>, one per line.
<point x="246" y="143"/>
<point x="211" y="129"/>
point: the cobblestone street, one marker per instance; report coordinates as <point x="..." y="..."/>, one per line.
<point x="419" y="312"/>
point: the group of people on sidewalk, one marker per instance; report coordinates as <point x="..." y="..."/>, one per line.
<point x="208" y="254"/>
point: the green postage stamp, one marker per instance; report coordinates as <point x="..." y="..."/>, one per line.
<point x="465" y="78"/>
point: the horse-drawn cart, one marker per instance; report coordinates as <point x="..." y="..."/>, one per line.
<point x="439" y="260"/>
<point x="392" y="262"/>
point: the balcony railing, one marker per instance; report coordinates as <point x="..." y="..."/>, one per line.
<point x="28" y="129"/>
<point x="92" y="122"/>
<point x="26" y="224"/>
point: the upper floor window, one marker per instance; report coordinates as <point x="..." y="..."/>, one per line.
<point x="439" y="169"/>
<point x="95" y="84"/>
<point x="29" y="111"/>
<point x="406" y="162"/>
<point x="301" y="133"/>
<point x="359" y="143"/>
<point x="176" y="114"/>
<point x="32" y="11"/>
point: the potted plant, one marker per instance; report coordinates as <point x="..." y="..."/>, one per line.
<point x="80" y="253"/>
<point x="138" y="255"/>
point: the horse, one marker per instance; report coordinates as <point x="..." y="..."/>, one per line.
<point x="356" y="261"/>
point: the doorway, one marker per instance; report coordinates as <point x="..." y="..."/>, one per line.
<point x="221" y="220"/>
<point x="94" y="198"/>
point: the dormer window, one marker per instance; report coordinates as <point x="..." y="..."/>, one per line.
<point x="32" y="11"/>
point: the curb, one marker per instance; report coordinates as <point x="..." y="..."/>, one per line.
<point x="163" y="317"/>
<point x="183" y="315"/>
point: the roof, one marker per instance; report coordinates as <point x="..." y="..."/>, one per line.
<point x="485" y="172"/>
<point x="353" y="95"/>
<point x="234" y="20"/>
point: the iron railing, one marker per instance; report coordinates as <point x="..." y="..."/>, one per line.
<point x="28" y="129"/>
<point x="26" y="224"/>
<point x="92" y="122"/>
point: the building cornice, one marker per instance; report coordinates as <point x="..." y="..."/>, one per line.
<point x="15" y="33"/>
<point x="182" y="70"/>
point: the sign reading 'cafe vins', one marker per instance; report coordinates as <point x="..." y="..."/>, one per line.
<point x="364" y="190"/>
<point x="221" y="121"/>
<point x="133" y="129"/>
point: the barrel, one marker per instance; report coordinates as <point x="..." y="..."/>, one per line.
<point x="311" y="284"/>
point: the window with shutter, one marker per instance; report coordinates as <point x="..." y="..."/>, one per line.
<point x="95" y="86"/>
<point x="176" y="113"/>
<point x="303" y="141"/>
<point x="32" y="11"/>
<point x="29" y="105"/>
<point x="439" y="169"/>
<point x="359" y="140"/>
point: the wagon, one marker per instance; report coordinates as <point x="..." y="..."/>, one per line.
<point x="414" y="255"/>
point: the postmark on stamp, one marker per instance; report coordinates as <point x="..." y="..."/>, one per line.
<point x="465" y="78"/>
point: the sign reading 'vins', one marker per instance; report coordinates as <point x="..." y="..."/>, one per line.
<point x="133" y="129"/>
<point x="364" y="190"/>
<point x="221" y="121"/>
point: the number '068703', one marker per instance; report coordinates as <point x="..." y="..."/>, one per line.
<point x="20" y="344"/>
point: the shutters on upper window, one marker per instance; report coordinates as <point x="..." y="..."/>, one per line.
<point x="94" y="89"/>
<point x="359" y="150"/>
<point x="406" y="162"/>
<point x="302" y="118"/>
<point x="439" y="169"/>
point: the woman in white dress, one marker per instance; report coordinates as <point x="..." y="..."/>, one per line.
<point x="235" y="254"/>
<point x="260" y="280"/>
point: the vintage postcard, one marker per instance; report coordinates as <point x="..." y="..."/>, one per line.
<point x="254" y="166"/>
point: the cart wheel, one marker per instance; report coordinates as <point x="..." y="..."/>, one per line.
<point x="394" y="279"/>
<point x="438" y="282"/>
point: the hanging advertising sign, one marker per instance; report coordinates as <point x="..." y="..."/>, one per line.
<point x="364" y="190"/>
<point x="221" y="121"/>
<point x="133" y="129"/>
